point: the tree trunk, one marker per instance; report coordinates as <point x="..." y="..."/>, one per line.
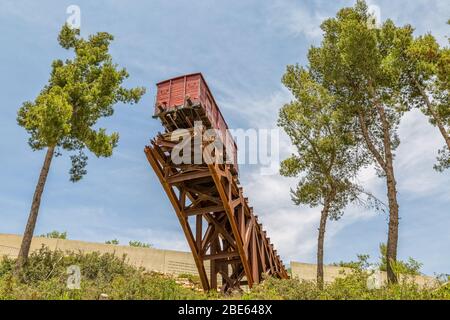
<point x="31" y="223"/>
<point x="386" y="163"/>
<point x="391" y="252"/>
<point x="320" y="242"/>
<point x="437" y="119"/>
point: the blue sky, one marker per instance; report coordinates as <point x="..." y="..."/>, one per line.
<point x="242" y="48"/>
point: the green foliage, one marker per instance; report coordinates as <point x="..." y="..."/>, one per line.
<point x="443" y="160"/>
<point x="423" y="67"/>
<point x="409" y="267"/>
<point x="354" y="63"/>
<point x="193" y="278"/>
<point x="361" y="263"/>
<point x="328" y="155"/>
<point x="351" y="286"/>
<point x="79" y="92"/>
<point x="151" y="287"/>
<point x="55" y="235"/>
<point x="6" y="266"/>
<point x="140" y="244"/>
<point x="45" y="277"/>
<point x="290" y="289"/>
<point x="47" y="118"/>
<point x="113" y="241"/>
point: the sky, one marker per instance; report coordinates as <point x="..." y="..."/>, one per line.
<point x="242" y="48"/>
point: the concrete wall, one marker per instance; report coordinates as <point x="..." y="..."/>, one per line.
<point x="307" y="271"/>
<point x="173" y="262"/>
<point x="166" y="261"/>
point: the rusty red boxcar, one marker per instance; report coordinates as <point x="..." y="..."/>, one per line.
<point x="182" y="100"/>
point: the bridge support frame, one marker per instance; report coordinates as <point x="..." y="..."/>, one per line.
<point x="207" y="198"/>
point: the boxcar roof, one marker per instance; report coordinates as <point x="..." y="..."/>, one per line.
<point x="182" y="76"/>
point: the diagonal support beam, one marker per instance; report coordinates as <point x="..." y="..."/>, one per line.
<point x="202" y="210"/>
<point x="187" y="176"/>
<point x="152" y="159"/>
<point x="230" y="213"/>
<point x="222" y="255"/>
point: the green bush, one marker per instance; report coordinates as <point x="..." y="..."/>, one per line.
<point x="153" y="286"/>
<point x="352" y="286"/>
<point x="45" y="277"/>
<point x="290" y="289"/>
<point x="139" y="244"/>
<point x="55" y="235"/>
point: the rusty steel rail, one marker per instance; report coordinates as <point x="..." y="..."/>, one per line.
<point x="208" y="199"/>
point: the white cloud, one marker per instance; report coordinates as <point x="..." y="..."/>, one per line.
<point x="258" y="111"/>
<point x="424" y="15"/>
<point x="33" y="12"/>
<point x="416" y="155"/>
<point x="293" y="229"/>
<point x="296" y="18"/>
<point x="299" y="18"/>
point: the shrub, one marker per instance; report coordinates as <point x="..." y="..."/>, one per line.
<point x="45" y="277"/>
<point x="55" y="235"/>
<point x="352" y="286"/>
<point x="289" y="289"/>
<point x="140" y="244"/>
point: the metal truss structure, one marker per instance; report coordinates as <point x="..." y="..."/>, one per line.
<point x="218" y="222"/>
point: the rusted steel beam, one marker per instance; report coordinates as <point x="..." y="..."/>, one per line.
<point x="234" y="260"/>
<point x="248" y="232"/>
<point x="202" y="210"/>
<point x="254" y="254"/>
<point x="202" y="195"/>
<point x="221" y="255"/>
<point x="233" y="241"/>
<point x="213" y="264"/>
<point x="230" y="214"/>
<point x="262" y="256"/>
<point x="152" y="159"/>
<point x="209" y="234"/>
<point x="181" y="177"/>
<point x="220" y="229"/>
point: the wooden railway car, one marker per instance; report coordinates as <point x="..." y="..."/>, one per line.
<point x="182" y="100"/>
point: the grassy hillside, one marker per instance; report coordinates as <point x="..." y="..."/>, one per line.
<point x="105" y="276"/>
